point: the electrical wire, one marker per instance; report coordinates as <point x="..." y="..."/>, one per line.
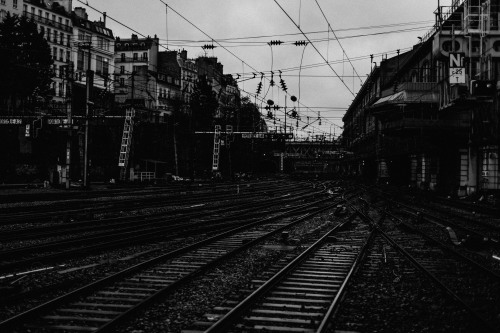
<point x="312" y="44"/>
<point x="335" y="35"/>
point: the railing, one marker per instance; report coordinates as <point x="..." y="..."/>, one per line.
<point x="417" y="86"/>
<point x="129" y="59"/>
<point x="445" y="16"/>
<point x="147" y="176"/>
<point x="47" y="21"/>
<point x="436" y="124"/>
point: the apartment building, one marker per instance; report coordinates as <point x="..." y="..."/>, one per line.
<point x="53" y="19"/>
<point x="93" y="43"/>
<point x="136" y="67"/>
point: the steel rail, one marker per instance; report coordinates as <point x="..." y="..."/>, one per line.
<point x="485" y="323"/>
<point x="26" y="316"/>
<point x="224" y="323"/>
<point x="101" y="241"/>
<point x="182" y="213"/>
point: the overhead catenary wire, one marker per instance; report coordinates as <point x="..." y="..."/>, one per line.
<point x="312" y="44"/>
<point x="340" y="44"/>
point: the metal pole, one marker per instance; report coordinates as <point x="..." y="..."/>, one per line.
<point x="87" y="112"/>
<point x="285" y="115"/>
<point x="70" y="129"/>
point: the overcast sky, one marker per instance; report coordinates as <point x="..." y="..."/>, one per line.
<point x="359" y="24"/>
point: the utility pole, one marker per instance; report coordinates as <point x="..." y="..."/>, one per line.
<point x="90" y="75"/>
<point x="69" y="75"/>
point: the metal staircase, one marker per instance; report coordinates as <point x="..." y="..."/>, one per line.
<point x="215" y="162"/>
<point x="128" y="129"/>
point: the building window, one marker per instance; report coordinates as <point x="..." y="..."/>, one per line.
<point x="68" y="56"/>
<point x="122" y="69"/>
<point x="55" y="36"/>
<point x="49" y="33"/>
<point x="80" y="63"/>
<point x="102" y="43"/>
<point x="61" y="90"/>
<point x="136" y="56"/>
<point x="61" y="55"/>
<point x="144" y="56"/>
<point x="61" y="71"/>
<point x="68" y="40"/>
<point x="61" y="39"/>
<point x="122" y="82"/>
<point x="15" y="3"/>
<point x="99" y="64"/>
<point x="40" y="13"/>
<point x="54" y="53"/>
<point x="123" y="56"/>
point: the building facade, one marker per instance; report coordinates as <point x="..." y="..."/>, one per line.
<point x="169" y="82"/>
<point x="429" y="117"/>
<point x="53" y="19"/>
<point x="12" y="7"/>
<point x="136" y="68"/>
<point x="93" y="44"/>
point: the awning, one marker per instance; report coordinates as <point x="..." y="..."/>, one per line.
<point x="408" y="97"/>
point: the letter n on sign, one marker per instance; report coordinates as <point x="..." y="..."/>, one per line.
<point x="456" y="60"/>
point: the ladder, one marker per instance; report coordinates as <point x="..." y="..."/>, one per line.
<point x="128" y="128"/>
<point x="215" y="161"/>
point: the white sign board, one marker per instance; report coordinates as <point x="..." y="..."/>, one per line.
<point x="457" y="75"/>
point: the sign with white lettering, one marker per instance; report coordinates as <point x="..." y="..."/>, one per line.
<point x="457" y="60"/>
<point x="11" y="121"/>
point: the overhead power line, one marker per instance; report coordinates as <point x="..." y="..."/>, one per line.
<point x="340" y="44"/>
<point x="312" y="44"/>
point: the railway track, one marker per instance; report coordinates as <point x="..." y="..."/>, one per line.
<point x="101" y="305"/>
<point x="472" y="288"/>
<point x="148" y="230"/>
<point x="85" y="209"/>
<point x="302" y="295"/>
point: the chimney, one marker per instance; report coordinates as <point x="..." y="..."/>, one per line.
<point x="81" y="13"/>
<point x="184" y="54"/>
<point x="104" y="16"/>
<point x="134" y="37"/>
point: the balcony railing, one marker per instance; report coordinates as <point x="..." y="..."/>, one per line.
<point x="46" y="21"/>
<point x="129" y="59"/>
<point x="430" y="124"/>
